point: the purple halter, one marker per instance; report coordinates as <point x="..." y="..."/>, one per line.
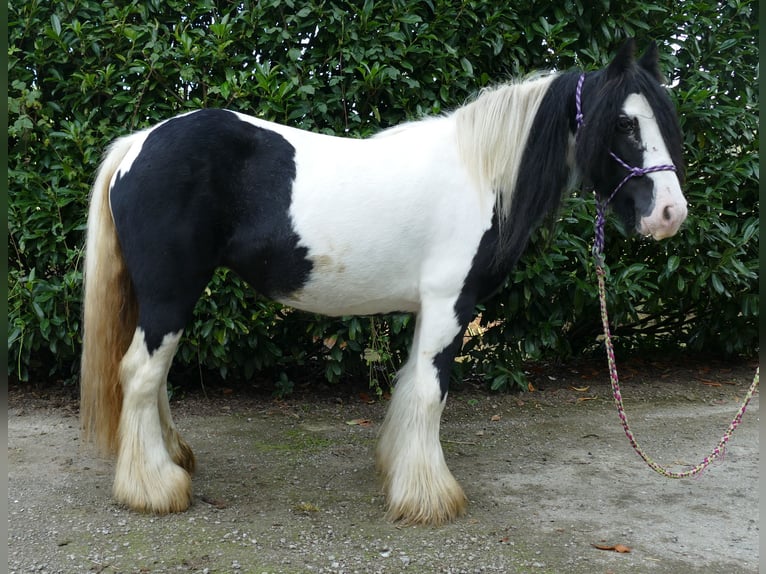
<point x="632" y="172"/>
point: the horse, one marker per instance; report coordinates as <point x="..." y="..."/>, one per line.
<point x="427" y="217"/>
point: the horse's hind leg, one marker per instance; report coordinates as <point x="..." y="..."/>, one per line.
<point x="154" y="465"/>
<point x="146" y="476"/>
<point x="177" y="447"/>
<point x="419" y="487"/>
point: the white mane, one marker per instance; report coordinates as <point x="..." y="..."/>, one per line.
<point x="492" y="133"/>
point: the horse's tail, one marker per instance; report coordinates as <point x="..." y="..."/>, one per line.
<point x="110" y="312"/>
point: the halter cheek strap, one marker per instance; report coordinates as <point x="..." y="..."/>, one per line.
<point x="632" y="172"/>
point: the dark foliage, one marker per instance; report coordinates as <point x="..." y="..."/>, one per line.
<point x="83" y="72"/>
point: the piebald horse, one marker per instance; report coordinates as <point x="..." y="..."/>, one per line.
<point x="427" y="217"/>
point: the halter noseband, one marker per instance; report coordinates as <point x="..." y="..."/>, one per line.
<point x="632" y="172"/>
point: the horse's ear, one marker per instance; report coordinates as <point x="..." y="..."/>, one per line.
<point x="650" y="61"/>
<point x="623" y="60"/>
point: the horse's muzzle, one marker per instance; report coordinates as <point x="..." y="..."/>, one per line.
<point x="665" y="220"/>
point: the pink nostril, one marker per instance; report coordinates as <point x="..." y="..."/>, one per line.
<point x="666" y="221"/>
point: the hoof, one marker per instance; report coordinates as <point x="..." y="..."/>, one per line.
<point x="426" y="504"/>
<point x="166" y="490"/>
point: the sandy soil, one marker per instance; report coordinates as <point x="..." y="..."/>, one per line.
<point x="289" y="486"/>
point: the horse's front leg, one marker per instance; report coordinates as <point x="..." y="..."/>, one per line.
<point x="419" y="487"/>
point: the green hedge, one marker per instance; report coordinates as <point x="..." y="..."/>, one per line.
<point x="82" y="73"/>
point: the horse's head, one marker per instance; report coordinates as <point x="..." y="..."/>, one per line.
<point x="629" y="142"/>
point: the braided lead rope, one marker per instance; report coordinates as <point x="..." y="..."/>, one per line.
<point x="579" y="118"/>
<point x="719" y="449"/>
<point x="598" y="250"/>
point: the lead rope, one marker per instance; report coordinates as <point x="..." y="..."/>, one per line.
<point x="598" y="250"/>
<point x="720" y="448"/>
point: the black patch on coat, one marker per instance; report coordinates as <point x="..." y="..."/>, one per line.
<point x="482" y="281"/>
<point x="206" y="190"/>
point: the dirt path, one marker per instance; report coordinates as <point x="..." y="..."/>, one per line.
<point x="290" y="486"/>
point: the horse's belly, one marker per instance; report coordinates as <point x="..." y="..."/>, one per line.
<point x="338" y="287"/>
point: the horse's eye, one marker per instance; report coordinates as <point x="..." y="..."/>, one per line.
<point x="625" y="124"/>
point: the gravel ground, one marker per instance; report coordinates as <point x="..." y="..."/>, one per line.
<point x="289" y="486"/>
